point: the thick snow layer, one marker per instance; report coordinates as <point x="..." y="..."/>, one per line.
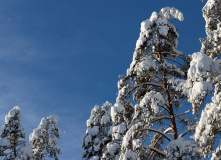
<point x="53" y="118"/>
<point x="153" y="99"/>
<point x="145" y="25"/>
<point x="182" y="148"/>
<point x="172" y="13"/>
<point x="4" y="142"/>
<point x="130" y="134"/>
<point x="199" y="79"/>
<point x="94" y="158"/>
<point x="94" y="118"/>
<point x="209" y="5"/>
<point x="25" y="151"/>
<point x="95" y="110"/>
<point x="115" y="110"/>
<point x="121" y="93"/>
<point x="106" y="107"/>
<point x="87" y="140"/>
<point x="200" y="67"/>
<point x="118" y="131"/>
<point x="112" y="149"/>
<point x="200" y="87"/>
<point x="163" y="30"/>
<point x="161" y="20"/>
<point x="129" y="155"/>
<point x="155" y="31"/>
<point x="136" y="143"/>
<point x="12" y="113"/>
<point x="105" y="119"/>
<point x="145" y="66"/>
<point x="93" y="131"/>
<point x="34" y="134"/>
<point x="209" y="124"/>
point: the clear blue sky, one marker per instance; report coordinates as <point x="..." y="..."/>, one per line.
<point x="63" y="57"/>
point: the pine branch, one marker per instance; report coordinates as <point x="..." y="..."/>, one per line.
<point x="166" y="131"/>
<point x="157" y="150"/>
<point x="183" y="113"/>
<point x="159" y="118"/>
<point x="186" y="132"/>
<point x="157" y="131"/>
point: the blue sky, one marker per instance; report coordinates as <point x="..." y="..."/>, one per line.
<point x="63" y="57"/>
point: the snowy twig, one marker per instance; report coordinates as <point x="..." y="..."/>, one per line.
<point x="157" y="150"/>
<point x="185" y="132"/>
<point x="159" y="118"/>
<point x="166" y="131"/>
<point x="157" y="131"/>
<point x="183" y="113"/>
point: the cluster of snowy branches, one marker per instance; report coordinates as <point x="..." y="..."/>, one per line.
<point x="160" y="111"/>
<point x="44" y="139"/>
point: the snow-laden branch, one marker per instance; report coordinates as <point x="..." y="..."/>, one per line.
<point x="183" y="113"/>
<point x="168" y="53"/>
<point x="157" y="131"/>
<point x="157" y="150"/>
<point x="147" y="83"/>
<point x="155" y="119"/>
<point x="173" y="60"/>
<point x="165" y="132"/>
<point x="185" y="132"/>
<point x="159" y="118"/>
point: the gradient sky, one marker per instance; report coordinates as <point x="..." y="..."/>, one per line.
<point x="63" y="57"/>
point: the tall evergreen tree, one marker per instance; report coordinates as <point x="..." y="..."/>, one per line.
<point x="154" y="78"/>
<point x="153" y="97"/>
<point x="12" y="143"/>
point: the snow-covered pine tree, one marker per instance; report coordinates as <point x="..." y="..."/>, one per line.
<point x="98" y="132"/>
<point x="160" y="79"/>
<point x="44" y="139"/>
<point x="154" y="80"/>
<point x="204" y="78"/>
<point x="12" y="143"/>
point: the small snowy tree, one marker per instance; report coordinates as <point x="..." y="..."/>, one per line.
<point x="12" y="143"/>
<point x="98" y="132"/>
<point x="44" y="139"/>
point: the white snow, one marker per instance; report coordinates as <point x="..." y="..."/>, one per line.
<point x="4" y="142"/>
<point x="183" y="148"/>
<point x="163" y="30"/>
<point x="115" y="110"/>
<point x="129" y="155"/>
<point x="200" y="66"/>
<point x="93" y="131"/>
<point x="112" y="149"/>
<point x="94" y="158"/>
<point x="11" y="113"/>
<point x="118" y="131"/>
<point x="145" y="65"/>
